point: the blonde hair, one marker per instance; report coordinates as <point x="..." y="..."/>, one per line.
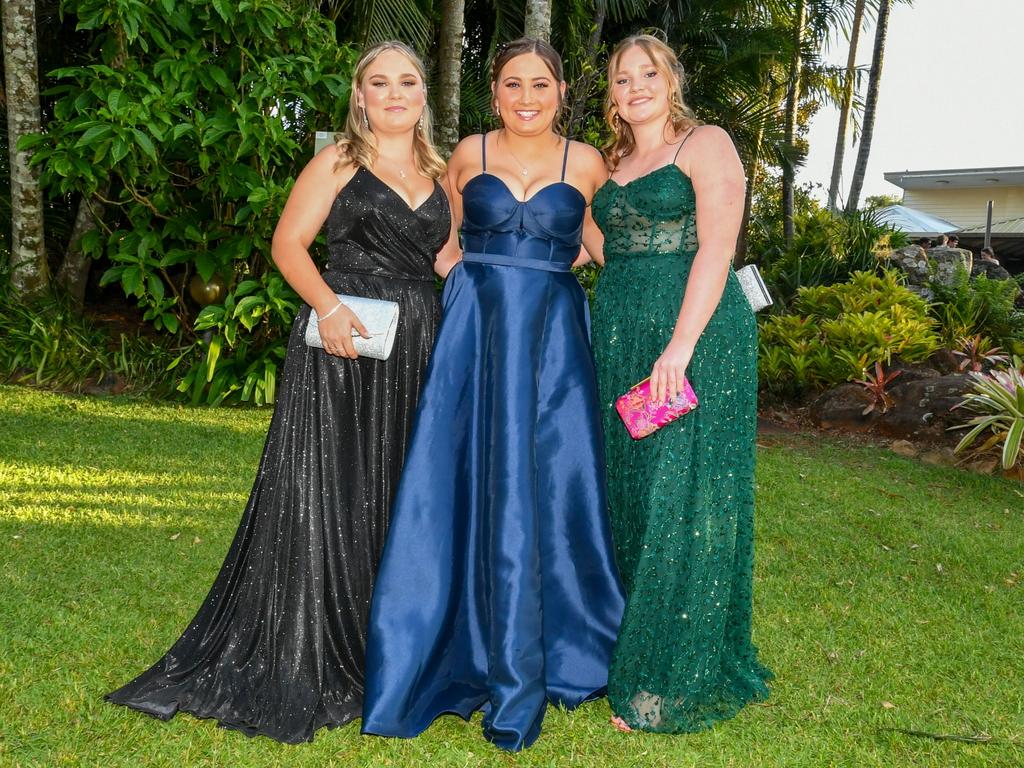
<point x="357" y="143"/>
<point x="681" y="117"/>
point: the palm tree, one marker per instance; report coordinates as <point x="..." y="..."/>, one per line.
<point x="847" y="105"/>
<point x="366" y="23"/>
<point x="29" y="272"/>
<point x="449" y="79"/>
<point x="538" y="19"/>
<point x="870" y="104"/>
<point x="792" y="106"/>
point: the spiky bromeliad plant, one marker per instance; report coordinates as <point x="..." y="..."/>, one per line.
<point x="998" y="399"/>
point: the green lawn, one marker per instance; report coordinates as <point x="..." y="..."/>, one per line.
<point x="888" y="597"/>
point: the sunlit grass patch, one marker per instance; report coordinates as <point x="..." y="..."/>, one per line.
<point x="888" y="599"/>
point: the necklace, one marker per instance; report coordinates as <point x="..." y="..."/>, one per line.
<point x="401" y="171"/>
<point x="525" y="171"/>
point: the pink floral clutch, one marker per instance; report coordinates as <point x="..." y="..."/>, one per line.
<point x="643" y="417"/>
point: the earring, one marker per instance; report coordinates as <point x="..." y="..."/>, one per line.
<point x="421" y="121"/>
<point x="366" y="120"/>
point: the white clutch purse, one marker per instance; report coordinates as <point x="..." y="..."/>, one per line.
<point x="754" y="288"/>
<point x="380" y="318"/>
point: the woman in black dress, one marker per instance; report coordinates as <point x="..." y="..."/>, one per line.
<point x="277" y="647"/>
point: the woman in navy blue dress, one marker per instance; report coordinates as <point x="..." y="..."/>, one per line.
<point x="498" y="588"/>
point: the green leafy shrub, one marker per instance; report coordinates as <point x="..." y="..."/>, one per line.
<point x="827" y="247"/>
<point x="193" y="126"/>
<point x="46" y="343"/>
<point x="979" y="307"/>
<point x="837" y="331"/>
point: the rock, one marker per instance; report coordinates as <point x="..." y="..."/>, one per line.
<point x="108" y="383"/>
<point x="911" y="372"/>
<point x="983" y="466"/>
<point x="843" y="407"/>
<point x="936" y="265"/>
<point x="940" y="457"/>
<point x="945" y="261"/>
<point x="944" y="361"/>
<point x="904" y="448"/>
<point x="923" y="407"/>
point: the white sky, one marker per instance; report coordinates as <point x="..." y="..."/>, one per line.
<point x="952" y="94"/>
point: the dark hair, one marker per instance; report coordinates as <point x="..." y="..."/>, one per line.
<point x="989" y="251"/>
<point x="954" y="238"/>
<point x="542" y="48"/>
<point x="924" y="242"/>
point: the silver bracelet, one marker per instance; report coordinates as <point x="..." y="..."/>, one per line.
<point x="338" y="306"/>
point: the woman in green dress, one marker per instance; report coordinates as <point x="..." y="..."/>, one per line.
<point x="669" y="305"/>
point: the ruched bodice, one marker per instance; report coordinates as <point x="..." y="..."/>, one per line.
<point x="371" y="230"/>
<point x="546" y="227"/>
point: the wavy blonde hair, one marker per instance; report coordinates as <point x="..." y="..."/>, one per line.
<point x="681" y="117"/>
<point x="357" y="143"/>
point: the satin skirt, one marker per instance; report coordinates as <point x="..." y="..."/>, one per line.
<point x="498" y="588"/>
<point x="277" y="646"/>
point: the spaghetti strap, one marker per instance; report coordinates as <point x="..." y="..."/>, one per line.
<point x="483" y="152"/>
<point x="686" y="138"/>
<point x="565" y="158"/>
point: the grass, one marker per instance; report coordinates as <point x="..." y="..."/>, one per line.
<point x="888" y="597"/>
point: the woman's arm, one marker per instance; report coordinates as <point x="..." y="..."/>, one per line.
<point x="450" y="253"/>
<point x="718" y="182"/>
<point x="594" y="173"/>
<point x="304" y="213"/>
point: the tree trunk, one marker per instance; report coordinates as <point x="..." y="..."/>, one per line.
<point x="74" y="269"/>
<point x="792" y="106"/>
<point x="754" y="163"/>
<point x="449" y="74"/>
<point x="870" y="104"/>
<point x="847" y="105"/>
<point x="29" y="272"/>
<point x="538" y="19"/>
<point x="589" y="72"/>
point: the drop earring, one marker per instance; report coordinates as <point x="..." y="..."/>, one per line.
<point x="366" y="120"/>
<point x="421" y="122"/>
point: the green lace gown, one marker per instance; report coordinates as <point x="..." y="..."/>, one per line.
<point x="682" y="499"/>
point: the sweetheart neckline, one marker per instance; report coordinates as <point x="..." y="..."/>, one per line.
<point x="612" y="180"/>
<point x="530" y="199"/>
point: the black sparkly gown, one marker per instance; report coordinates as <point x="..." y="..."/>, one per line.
<point x="277" y="647"/>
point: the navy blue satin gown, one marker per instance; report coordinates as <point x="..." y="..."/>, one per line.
<point x="498" y="588"/>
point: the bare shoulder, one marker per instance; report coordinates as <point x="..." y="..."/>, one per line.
<point x="710" y="153"/>
<point x="588" y="162"/>
<point x="711" y="140"/>
<point x="329" y="166"/>
<point x="586" y="156"/>
<point x="466" y="149"/>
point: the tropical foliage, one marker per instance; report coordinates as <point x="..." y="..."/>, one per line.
<point x="179" y="125"/>
<point x="191" y="128"/>
<point x="837" y="331"/>
<point x="998" y="400"/>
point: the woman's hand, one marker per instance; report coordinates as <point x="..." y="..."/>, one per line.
<point x="669" y="372"/>
<point x="336" y="331"/>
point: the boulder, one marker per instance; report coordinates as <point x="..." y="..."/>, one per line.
<point x="843" y="407"/>
<point x="911" y="371"/>
<point x="936" y="265"/>
<point x="924" y="407"/>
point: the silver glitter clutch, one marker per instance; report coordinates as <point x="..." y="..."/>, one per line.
<point x="380" y="318"/>
<point x="754" y="288"/>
